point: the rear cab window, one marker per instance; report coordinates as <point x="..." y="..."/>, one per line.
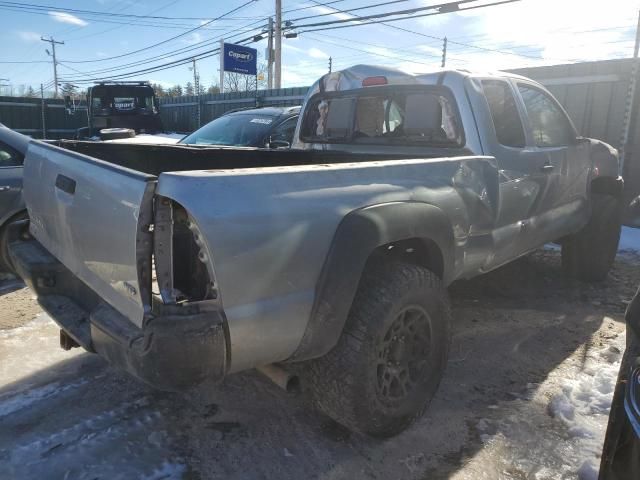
<point x="415" y="115"/>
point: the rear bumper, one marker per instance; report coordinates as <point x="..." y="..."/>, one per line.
<point x="178" y="347"/>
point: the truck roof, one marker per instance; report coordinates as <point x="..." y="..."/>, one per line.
<point x="352" y="77"/>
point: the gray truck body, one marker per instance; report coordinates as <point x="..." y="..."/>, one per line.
<point x="274" y="243"/>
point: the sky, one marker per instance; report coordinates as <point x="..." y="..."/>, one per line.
<point x="523" y="33"/>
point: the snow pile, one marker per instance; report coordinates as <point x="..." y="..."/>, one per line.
<point x="630" y="240"/>
<point x="553" y="430"/>
<point x="583" y="407"/>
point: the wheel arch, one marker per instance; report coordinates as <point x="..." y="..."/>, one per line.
<point x="413" y="232"/>
<point x="5" y="263"/>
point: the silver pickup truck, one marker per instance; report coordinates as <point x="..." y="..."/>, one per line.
<point x="329" y="260"/>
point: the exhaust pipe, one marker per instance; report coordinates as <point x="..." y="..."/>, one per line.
<point x="288" y="382"/>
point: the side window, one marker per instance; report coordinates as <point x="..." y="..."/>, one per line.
<point x="9" y="157"/>
<point x="549" y="124"/>
<point x="285" y="130"/>
<point x="504" y="113"/>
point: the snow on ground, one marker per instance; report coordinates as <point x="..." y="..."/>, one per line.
<point x="556" y="430"/>
<point x="57" y="424"/>
<point x="68" y="415"/>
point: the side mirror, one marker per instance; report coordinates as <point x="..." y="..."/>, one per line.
<point x="278" y="143"/>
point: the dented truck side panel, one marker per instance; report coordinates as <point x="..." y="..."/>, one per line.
<point x="269" y="250"/>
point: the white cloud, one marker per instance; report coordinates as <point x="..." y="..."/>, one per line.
<point x="194" y="38"/>
<point x="293" y="48"/>
<point x="314" y="52"/>
<point x="29" y="36"/>
<point x="330" y="12"/>
<point x="64" y="17"/>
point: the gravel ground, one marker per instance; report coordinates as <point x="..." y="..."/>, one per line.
<point x="528" y="347"/>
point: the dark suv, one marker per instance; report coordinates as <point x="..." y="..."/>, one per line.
<point x="268" y="127"/>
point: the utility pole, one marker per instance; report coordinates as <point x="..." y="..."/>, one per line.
<point x="55" y="64"/>
<point x="278" y="45"/>
<point x="444" y="53"/>
<point x="43" y="106"/>
<point x="270" y="54"/>
<point x="221" y="65"/>
<point x="196" y="85"/>
<point x="330" y="64"/>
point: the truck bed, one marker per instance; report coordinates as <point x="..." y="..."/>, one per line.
<point x="250" y="229"/>
<point x="156" y="159"/>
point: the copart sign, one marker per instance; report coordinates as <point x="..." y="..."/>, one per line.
<point x="240" y="59"/>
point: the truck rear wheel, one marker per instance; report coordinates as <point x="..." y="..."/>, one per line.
<point x="5" y="262"/>
<point x="589" y="254"/>
<point x="391" y="356"/>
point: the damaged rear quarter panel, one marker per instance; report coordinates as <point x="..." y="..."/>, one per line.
<point x="269" y="231"/>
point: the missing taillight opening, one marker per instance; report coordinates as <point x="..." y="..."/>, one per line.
<point x="182" y="264"/>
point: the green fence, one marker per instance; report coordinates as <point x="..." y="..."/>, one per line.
<point x="41" y="119"/>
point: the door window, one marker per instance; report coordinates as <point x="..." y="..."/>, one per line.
<point x="9" y="157"/>
<point x="504" y="113"/>
<point x="550" y="126"/>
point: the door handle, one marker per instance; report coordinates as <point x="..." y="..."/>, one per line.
<point x="66" y="184"/>
<point x="5" y="188"/>
<point x="546" y="168"/>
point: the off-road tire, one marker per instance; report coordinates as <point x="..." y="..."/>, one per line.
<point x="115" y="133"/>
<point x="5" y="264"/>
<point x="348" y="383"/>
<point x="589" y="254"/>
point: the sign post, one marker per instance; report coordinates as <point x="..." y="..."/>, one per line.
<point x="221" y="65"/>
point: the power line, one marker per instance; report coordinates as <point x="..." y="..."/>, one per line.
<point x="347" y="10"/>
<point x="167" y="40"/>
<point x="440" y="8"/>
<point x="358" y="19"/>
<point x="111" y="29"/>
<point x="56" y="8"/>
<point x="133" y="22"/>
<point x="165" y="66"/>
<point x="169" y="54"/>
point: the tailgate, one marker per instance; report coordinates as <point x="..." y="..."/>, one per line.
<point x="94" y="217"/>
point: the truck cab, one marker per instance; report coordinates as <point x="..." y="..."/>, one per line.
<point x="131" y="105"/>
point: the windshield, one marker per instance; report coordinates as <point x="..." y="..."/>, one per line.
<point x="123" y="99"/>
<point x="239" y="130"/>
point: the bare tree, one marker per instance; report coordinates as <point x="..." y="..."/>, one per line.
<point x="238" y="82"/>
